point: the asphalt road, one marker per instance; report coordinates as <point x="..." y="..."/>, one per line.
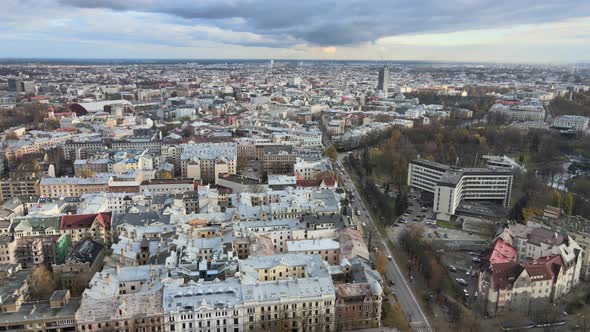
<point x="404" y="293"/>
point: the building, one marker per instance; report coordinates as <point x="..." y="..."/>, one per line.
<point x="206" y="161"/>
<point x="94" y="226"/>
<point x="278" y="159"/>
<point x="35" y="239"/>
<point x="12" y="188"/>
<point x="289" y="291"/>
<point x="576" y="122"/>
<point x="327" y="249"/>
<point x="126" y="298"/>
<point x="576" y="227"/>
<point x="81" y="263"/>
<point x="73" y="187"/>
<point x="528" y="268"/>
<point x="383" y="81"/>
<point x="167" y="186"/>
<point x="451" y="185"/>
<point x="358" y="305"/>
<point x="204" y="306"/>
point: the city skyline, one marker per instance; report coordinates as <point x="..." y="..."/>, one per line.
<point x="459" y="31"/>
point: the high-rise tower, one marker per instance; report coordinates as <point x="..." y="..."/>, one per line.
<point x="383" y="83"/>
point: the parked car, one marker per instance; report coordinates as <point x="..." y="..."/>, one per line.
<point x="390" y="258"/>
<point x="452" y="268"/>
<point x="391" y="283"/>
<point x="466" y="293"/>
<point x="461" y="281"/>
<point x="476" y="260"/>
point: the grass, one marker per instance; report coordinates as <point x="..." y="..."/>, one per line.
<point x="446" y="224"/>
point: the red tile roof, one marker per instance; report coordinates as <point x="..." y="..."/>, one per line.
<point x="504" y="274"/>
<point x="76" y="221"/>
<point x="501" y="252"/>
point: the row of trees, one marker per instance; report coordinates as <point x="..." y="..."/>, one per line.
<point x="388" y="208"/>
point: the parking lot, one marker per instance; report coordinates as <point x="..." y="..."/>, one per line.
<point x="461" y="264"/>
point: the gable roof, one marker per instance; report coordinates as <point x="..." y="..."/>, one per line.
<point x="77" y="221"/>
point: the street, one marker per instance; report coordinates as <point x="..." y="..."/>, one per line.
<point x="402" y="290"/>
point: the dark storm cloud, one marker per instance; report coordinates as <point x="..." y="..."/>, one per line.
<point x="349" y="22"/>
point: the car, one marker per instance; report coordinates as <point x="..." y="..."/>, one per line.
<point x="395" y="225"/>
<point x="364" y="224"/>
<point x="473" y="273"/>
<point x="391" y="283"/>
<point x="468" y="273"/>
<point x="476" y="260"/>
<point x="475" y="294"/>
<point x="430" y="235"/>
<point x="390" y="258"/>
<point x="461" y="281"/>
<point x="466" y="293"/>
<point x="358" y="213"/>
<point x="445" y="236"/>
<point x="452" y="268"/>
<point x="424" y="209"/>
<point x="472" y="253"/>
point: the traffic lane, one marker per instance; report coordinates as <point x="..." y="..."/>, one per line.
<point x="407" y="299"/>
<point x="403" y="295"/>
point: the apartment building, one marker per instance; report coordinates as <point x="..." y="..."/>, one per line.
<point x="204" y="306"/>
<point x="327" y="249"/>
<point x="451" y="185"/>
<point x="576" y="122"/>
<point x="206" y="161"/>
<point x="527" y="269"/>
<point x="12" y="188"/>
<point x="293" y="292"/>
<point x="73" y="187"/>
<point x="126" y="298"/>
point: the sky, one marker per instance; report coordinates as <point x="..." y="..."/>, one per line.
<point x="521" y="31"/>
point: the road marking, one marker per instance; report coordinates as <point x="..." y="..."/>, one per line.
<point x="389" y="253"/>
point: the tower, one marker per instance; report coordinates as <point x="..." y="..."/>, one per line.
<point x="383" y="82"/>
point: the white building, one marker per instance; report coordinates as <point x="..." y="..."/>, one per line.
<point x="203" y="306"/>
<point x="451" y="185"/>
<point x="578" y="123"/>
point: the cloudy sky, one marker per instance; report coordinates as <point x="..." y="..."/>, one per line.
<point x="556" y="31"/>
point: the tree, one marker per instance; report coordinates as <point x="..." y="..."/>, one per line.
<point x="393" y="316"/>
<point x="164" y="175"/>
<point x="569" y="204"/>
<point x="557" y="198"/>
<point x="12" y="136"/>
<point x="42" y="283"/>
<point x="87" y="173"/>
<point x="331" y="152"/>
<point x="381" y="263"/>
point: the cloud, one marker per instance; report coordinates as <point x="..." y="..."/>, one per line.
<point x="329" y="50"/>
<point x="349" y="22"/>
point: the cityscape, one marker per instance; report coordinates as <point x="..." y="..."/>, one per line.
<point x="226" y="167"/>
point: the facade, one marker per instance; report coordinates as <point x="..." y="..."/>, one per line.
<point x="527" y="269"/>
<point x="293" y="292"/>
<point x="358" y="306"/>
<point x="81" y="263"/>
<point x="327" y="249"/>
<point x="576" y="122"/>
<point x="73" y="187"/>
<point x="207" y="161"/>
<point x="12" y="188"/>
<point x="204" y="306"/>
<point x="383" y="82"/>
<point x="127" y="298"/>
<point x="452" y="185"/>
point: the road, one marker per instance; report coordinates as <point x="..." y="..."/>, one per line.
<point x="404" y="293"/>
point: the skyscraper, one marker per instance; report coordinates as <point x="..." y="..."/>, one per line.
<point x="383" y="83"/>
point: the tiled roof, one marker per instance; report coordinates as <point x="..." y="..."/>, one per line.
<point x="77" y="221"/>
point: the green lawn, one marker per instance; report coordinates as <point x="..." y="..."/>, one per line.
<point x="447" y="224"/>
